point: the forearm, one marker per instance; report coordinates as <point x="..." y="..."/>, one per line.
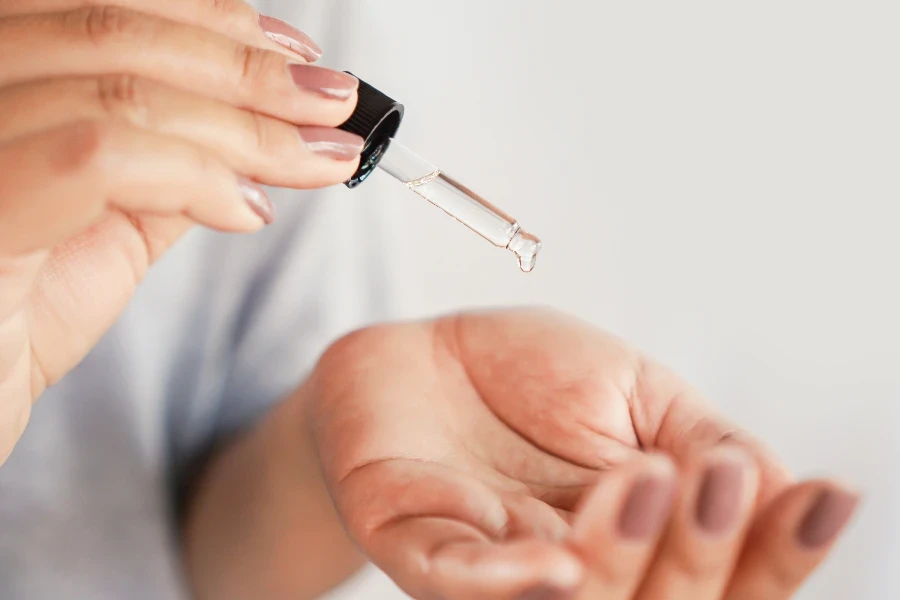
<point x="261" y="523"/>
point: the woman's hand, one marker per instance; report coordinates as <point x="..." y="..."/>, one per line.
<point x="121" y="127"/>
<point x="524" y="454"/>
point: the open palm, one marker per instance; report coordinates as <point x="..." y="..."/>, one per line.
<point x="457" y="450"/>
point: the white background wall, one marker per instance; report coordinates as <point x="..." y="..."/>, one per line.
<point x="715" y="181"/>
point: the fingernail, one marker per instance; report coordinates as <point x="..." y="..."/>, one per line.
<point x="333" y="143"/>
<point x="826" y="517"/>
<point x="290" y="37"/>
<point x="719" y="499"/>
<point x="257" y="199"/>
<point x="544" y="592"/>
<point x="324" y="82"/>
<point x="646" y="507"/>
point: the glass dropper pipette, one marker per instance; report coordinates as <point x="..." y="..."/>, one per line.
<point x="461" y="203"/>
<point x="377" y="119"/>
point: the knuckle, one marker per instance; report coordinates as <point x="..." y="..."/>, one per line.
<point x="105" y="24"/>
<point x="124" y="96"/>
<point x="256" y="66"/>
<point x="225" y="8"/>
<point x="263" y="138"/>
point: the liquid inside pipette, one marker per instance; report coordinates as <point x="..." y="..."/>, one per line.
<point x="462" y="204"/>
<point x="497" y="227"/>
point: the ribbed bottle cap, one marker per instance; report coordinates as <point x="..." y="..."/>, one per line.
<point x="376" y="119"/>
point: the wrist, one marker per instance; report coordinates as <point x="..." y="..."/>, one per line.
<point x="263" y="516"/>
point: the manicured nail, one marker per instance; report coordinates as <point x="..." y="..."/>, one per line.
<point x="719" y="498"/>
<point x="290" y="37"/>
<point x="324" y="82"/>
<point x="544" y="592"/>
<point x="646" y="507"/>
<point x="257" y="199"/>
<point x="827" y="515"/>
<point x="333" y="143"/>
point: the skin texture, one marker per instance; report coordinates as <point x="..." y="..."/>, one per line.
<point x="460" y="452"/>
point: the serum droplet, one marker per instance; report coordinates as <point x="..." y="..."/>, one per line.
<point x="526" y="247"/>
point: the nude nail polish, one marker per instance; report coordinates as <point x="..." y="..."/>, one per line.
<point x="646" y="507"/>
<point x="290" y="37"/>
<point x="257" y="199"/>
<point x="719" y="498"/>
<point x="323" y="82"/>
<point x="825" y="517"/>
<point x="335" y="144"/>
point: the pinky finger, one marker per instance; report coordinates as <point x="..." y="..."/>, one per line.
<point x="58" y="182"/>
<point x="790" y="539"/>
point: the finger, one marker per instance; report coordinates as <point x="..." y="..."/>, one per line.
<point x="270" y="151"/>
<point x="234" y="18"/>
<point x="58" y="182"/>
<point x="440" y="532"/>
<point x="15" y="395"/>
<point x="617" y="530"/>
<point x="440" y="558"/>
<point x="109" y="40"/>
<point x="673" y="417"/>
<point x="530" y="518"/>
<point x="706" y="530"/>
<point x="790" y="540"/>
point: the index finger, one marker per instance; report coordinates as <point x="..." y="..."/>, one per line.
<point x="234" y="18"/>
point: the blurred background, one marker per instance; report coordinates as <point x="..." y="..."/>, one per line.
<point x="715" y="182"/>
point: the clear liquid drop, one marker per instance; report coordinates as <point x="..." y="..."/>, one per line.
<point x="526" y="247"/>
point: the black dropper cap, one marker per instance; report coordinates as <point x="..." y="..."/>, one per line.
<point x="376" y="119"/>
